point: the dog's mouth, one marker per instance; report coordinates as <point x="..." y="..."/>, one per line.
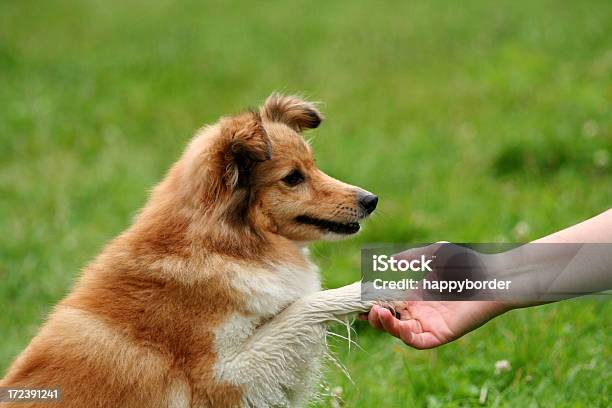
<point x="331" y="226"/>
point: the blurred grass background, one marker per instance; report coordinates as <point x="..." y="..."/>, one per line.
<point x="474" y="122"/>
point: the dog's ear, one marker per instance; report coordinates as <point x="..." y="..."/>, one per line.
<point x="217" y="168"/>
<point x="292" y="111"/>
<point x="244" y="143"/>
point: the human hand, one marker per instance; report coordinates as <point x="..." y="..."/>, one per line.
<point x="424" y="320"/>
<point x="427" y="324"/>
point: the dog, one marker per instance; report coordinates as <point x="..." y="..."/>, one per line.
<point x="209" y="298"/>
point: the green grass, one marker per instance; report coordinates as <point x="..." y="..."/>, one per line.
<point x="465" y="118"/>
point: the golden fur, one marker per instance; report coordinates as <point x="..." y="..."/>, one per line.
<point x="138" y="329"/>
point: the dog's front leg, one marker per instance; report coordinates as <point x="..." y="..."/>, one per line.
<point x="279" y="364"/>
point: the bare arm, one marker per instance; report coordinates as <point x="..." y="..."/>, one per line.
<point x="596" y="229"/>
<point x="427" y="324"/>
<point x="569" y="263"/>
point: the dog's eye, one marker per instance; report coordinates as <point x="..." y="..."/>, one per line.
<point x="294" y="178"/>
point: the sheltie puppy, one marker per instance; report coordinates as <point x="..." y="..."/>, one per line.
<point x="209" y="298"/>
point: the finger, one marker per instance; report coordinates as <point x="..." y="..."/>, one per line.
<point x="413" y="253"/>
<point x="389" y="322"/>
<point x="373" y="317"/>
<point x="409" y="254"/>
<point x="362" y="316"/>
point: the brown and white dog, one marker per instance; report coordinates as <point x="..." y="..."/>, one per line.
<point x="209" y="299"/>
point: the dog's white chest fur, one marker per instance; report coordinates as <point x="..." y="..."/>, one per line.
<point x="271" y="381"/>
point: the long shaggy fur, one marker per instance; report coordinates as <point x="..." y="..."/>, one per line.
<point x="209" y="298"/>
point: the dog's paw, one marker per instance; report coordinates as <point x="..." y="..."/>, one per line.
<point x="394" y="307"/>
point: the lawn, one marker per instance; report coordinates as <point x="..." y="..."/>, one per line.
<point x="474" y="122"/>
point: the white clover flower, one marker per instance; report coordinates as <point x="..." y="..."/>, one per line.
<point x="501" y="366"/>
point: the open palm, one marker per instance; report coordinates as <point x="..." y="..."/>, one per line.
<point x="428" y="324"/>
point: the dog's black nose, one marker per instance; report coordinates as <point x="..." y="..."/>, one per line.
<point x="368" y="202"/>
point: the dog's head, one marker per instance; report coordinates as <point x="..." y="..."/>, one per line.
<point x="255" y="171"/>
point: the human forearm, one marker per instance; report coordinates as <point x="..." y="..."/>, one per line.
<point x="596" y="229"/>
<point x="572" y="262"/>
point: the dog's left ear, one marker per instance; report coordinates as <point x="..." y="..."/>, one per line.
<point x="244" y="144"/>
<point x="292" y="111"/>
